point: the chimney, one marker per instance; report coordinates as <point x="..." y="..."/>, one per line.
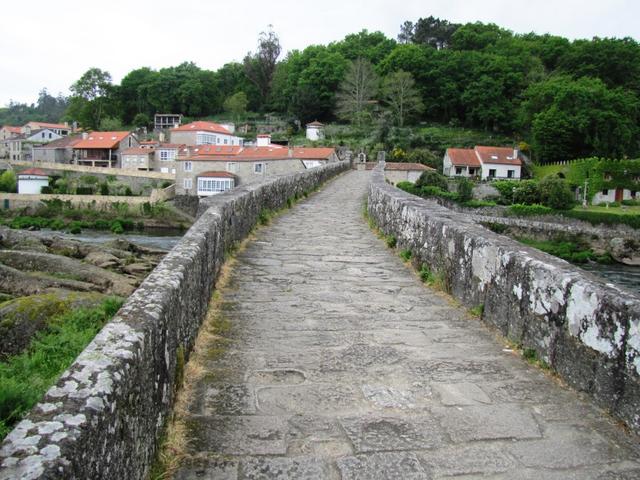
<point x="161" y="137"/>
<point x="85" y="135"/>
<point x="515" y="152"/>
<point x="290" y="153"/>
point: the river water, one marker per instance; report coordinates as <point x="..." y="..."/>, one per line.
<point x="622" y="275"/>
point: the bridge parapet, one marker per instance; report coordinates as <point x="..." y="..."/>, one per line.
<point x="105" y="415"/>
<point x="585" y="330"/>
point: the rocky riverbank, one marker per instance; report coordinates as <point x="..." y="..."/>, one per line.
<point x="44" y="276"/>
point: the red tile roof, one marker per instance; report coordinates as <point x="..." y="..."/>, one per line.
<point x="217" y="174"/>
<point x="170" y="145"/>
<point x="497" y="155"/>
<point x="251" y="154"/>
<point x="33" y="171"/>
<point x="202" y="127"/>
<point x="102" y="140"/>
<point x="463" y="157"/>
<point x="12" y="129"/>
<point x="315" y="123"/>
<point x="50" y="125"/>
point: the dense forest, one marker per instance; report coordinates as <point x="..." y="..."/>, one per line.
<point x="568" y="99"/>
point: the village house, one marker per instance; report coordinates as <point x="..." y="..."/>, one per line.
<point x="7" y="132"/>
<point x="21" y="147"/>
<point x="61" y="129"/>
<point x="103" y="149"/>
<point x="31" y="181"/>
<point x="396" y="172"/>
<point x="165" y="121"/>
<point x="315" y="131"/>
<point x="151" y="156"/>
<point x="57" y="151"/>
<point x="203" y="133"/>
<point x="486" y="163"/>
<point x="210" y="169"/>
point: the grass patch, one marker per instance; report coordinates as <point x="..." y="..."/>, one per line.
<point x="26" y="377"/>
<point x="391" y="241"/>
<point x="405" y="255"/>
<point x="477" y="310"/>
<point x="570" y="250"/>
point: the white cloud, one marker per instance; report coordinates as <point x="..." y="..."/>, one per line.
<point x="50" y="45"/>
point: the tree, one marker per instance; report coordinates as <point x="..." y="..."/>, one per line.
<point x="555" y="193"/>
<point x="259" y="67"/>
<point x="90" y="97"/>
<point x="401" y="95"/>
<point x="372" y="46"/>
<point x="356" y="91"/>
<point x="8" y="181"/>
<point x="236" y="105"/>
<point x="433" y="32"/>
<point x="141" y="120"/>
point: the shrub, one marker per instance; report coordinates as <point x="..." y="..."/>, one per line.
<point x="527" y="210"/>
<point x="46" y="190"/>
<point x="527" y="192"/>
<point x="506" y="189"/>
<point x="555" y="193"/>
<point x="479" y="203"/>
<point x="430" y="178"/>
<point x="597" y="218"/>
<point x="75" y="227"/>
<point x="631" y="203"/>
<point x="405" y="255"/>
<point x="465" y="190"/>
<point x="104" y="188"/>
<point x="8" y="182"/>
<point x="408" y="187"/>
<point x="116" y="227"/>
<point x="84" y="191"/>
<point x="391" y="241"/>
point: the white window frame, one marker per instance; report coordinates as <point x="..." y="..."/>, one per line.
<point x="214" y="185"/>
<point x="232" y="167"/>
<point x="259" y="168"/>
<point x="188" y="166"/>
<point x="187" y="183"/>
<point x="167" y="155"/>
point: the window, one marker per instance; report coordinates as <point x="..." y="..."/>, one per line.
<point x="188" y="166"/>
<point x="458" y="170"/>
<point x="232" y="167"/>
<point x="605" y="192"/>
<point x="167" y="155"/>
<point x="49" y="134"/>
<point x="225" y="141"/>
<point x="258" y="168"/>
<point x="492" y="172"/>
<point x="511" y="173"/>
<point x="205" y="139"/>
<point x="214" y="185"/>
<point x="188" y="183"/>
<point x="130" y="141"/>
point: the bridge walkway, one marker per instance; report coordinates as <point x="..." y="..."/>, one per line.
<point x="334" y="361"/>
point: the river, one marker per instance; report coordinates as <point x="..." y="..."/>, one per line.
<point x="622" y="275"/>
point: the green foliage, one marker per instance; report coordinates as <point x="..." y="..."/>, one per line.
<point x="479" y="203"/>
<point x="25" y="378"/>
<point x="555" y="193"/>
<point x="141" y="120"/>
<point x="426" y="275"/>
<point x="430" y="178"/>
<point x="478" y="310"/>
<point x="391" y="241"/>
<point x="520" y="210"/>
<point x="357" y="89"/>
<point x="408" y="187"/>
<point x="236" y="105"/>
<point x="401" y="96"/>
<point x="603" y="218"/>
<point x="405" y="255"/>
<point x="91" y="98"/>
<point x="465" y="190"/>
<point x="573" y="250"/>
<point x="8" y="182"/>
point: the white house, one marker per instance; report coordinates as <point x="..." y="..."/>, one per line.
<point x="488" y="163"/>
<point x="32" y="180"/>
<point x="315" y="131"/>
<point x="203" y="133"/>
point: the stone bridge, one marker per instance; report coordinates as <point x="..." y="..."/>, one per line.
<point x="324" y="356"/>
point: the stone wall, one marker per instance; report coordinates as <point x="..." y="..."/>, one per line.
<point x="585" y="330"/>
<point x="105" y="415"/>
<point x="17" y="201"/>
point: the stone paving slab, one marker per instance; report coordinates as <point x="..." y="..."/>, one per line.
<point x="340" y="364"/>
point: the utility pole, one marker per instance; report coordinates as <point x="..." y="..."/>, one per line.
<point x="584" y="194"/>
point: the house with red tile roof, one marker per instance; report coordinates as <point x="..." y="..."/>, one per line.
<point x="61" y="129"/>
<point x="31" y="181"/>
<point x="486" y="163"/>
<point x="6" y="133"/>
<point x="207" y="169"/>
<point x="203" y="133"/>
<point x="103" y="149"/>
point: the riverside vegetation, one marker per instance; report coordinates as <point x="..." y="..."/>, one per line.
<point x="55" y="295"/>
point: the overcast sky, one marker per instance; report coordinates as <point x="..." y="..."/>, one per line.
<point x="51" y="44"/>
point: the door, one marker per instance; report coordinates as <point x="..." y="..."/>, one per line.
<point x="619" y="194"/>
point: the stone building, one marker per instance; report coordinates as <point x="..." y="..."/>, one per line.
<point x="209" y="169"/>
<point x="103" y="149"/>
<point x="203" y="133"/>
<point x="57" y="151"/>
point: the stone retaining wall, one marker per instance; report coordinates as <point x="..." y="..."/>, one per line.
<point x="105" y="415"/>
<point x="585" y="330"/>
<point x="17" y="201"/>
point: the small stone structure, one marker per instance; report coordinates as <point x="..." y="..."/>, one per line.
<point x="587" y="331"/>
<point x="105" y="415"/>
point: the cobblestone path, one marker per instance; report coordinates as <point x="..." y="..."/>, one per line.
<point x="341" y="364"/>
